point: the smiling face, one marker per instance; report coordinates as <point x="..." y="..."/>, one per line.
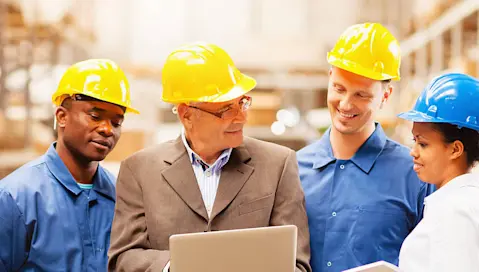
<point x="443" y="151"/>
<point x="89" y="129"/>
<point x="353" y="100"/>
<point x="429" y="153"/>
<point x="206" y="129"/>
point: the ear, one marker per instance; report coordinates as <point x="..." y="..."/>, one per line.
<point x="61" y="115"/>
<point x="330" y="71"/>
<point x="457" y="150"/>
<point x="386" y="94"/>
<point x="184" y="114"/>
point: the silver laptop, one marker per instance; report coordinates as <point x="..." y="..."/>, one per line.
<point x="268" y="249"/>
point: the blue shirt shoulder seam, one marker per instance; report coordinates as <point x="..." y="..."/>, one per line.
<point x="20" y="213"/>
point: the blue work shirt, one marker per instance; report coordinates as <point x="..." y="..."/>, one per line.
<point x="359" y="210"/>
<point x="47" y="223"/>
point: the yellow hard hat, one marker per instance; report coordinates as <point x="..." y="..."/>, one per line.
<point x="101" y="79"/>
<point x="202" y="72"/>
<point x="369" y="50"/>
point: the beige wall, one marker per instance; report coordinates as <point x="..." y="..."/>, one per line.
<point x="255" y="32"/>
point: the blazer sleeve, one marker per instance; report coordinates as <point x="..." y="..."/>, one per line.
<point x="130" y="248"/>
<point x="289" y="209"/>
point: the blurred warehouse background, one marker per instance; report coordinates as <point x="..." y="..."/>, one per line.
<point x="282" y="43"/>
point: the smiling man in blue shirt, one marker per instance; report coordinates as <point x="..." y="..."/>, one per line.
<point x="56" y="211"/>
<point x="362" y="196"/>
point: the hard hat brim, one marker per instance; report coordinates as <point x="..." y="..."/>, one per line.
<point x="416" y="116"/>
<point x="359" y="70"/>
<point x="58" y="100"/>
<point x="242" y="87"/>
<point x="132" y="110"/>
<point x="420" y="117"/>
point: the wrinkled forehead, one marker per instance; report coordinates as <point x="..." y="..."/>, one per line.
<point x="216" y="105"/>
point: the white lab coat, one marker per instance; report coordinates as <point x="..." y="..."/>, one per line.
<point x="447" y="238"/>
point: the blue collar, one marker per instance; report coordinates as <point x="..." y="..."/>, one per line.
<point x="101" y="181"/>
<point x="364" y="158"/>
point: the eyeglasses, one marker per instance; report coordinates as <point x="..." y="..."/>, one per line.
<point x="244" y="105"/>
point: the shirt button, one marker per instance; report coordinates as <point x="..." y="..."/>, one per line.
<point x="329" y="264"/>
<point x="334" y="213"/>
<point x="208" y="174"/>
<point x="341" y="166"/>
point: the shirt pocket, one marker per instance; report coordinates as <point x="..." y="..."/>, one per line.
<point x="377" y="233"/>
<point x="256" y="204"/>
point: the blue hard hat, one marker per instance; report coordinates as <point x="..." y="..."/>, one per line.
<point x="450" y="98"/>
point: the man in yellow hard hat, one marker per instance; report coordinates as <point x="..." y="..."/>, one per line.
<point x="362" y="195"/>
<point x="211" y="177"/>
<point x="56" y="211"/>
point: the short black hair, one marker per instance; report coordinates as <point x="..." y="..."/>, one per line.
<point x="468" y="137"/>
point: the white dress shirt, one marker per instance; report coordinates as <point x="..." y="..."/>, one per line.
<point x="208" y="176"/>
<point x="447" y="238"/>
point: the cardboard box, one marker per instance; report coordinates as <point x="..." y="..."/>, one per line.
<point x="261" y="117"/>
<point x="130" y="142"/>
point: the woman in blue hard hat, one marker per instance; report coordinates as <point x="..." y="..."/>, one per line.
<point x="445" y="131"/>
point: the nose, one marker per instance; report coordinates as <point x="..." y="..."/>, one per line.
<point x="106" y="128"/>
<point x="241" y="117"/>
<point x="345" y="103"/>
<point x="414" y="152"/>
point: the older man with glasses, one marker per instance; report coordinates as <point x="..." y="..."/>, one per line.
<point x="211" y="177"/>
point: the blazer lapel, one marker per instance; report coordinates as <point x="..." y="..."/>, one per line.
<point x="233" y="176"/>
<point x="182" y="179"/>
